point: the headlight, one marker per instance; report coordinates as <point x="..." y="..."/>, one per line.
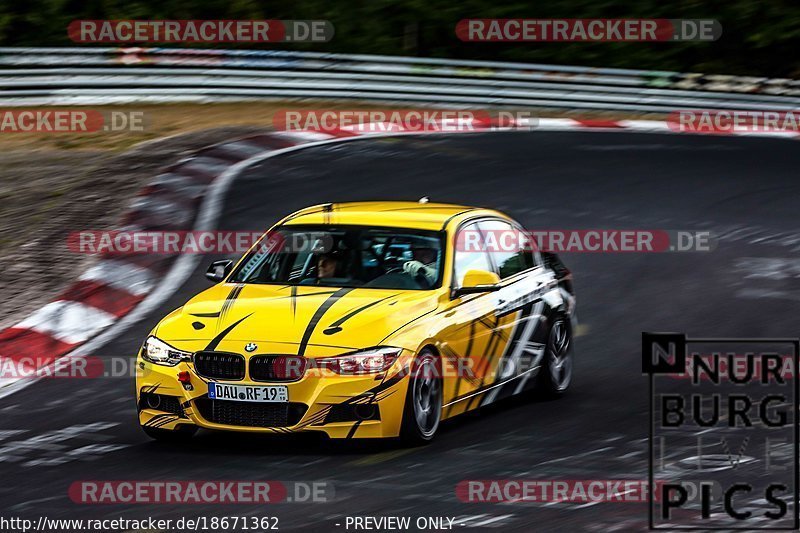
<point x="369" y="361"/>
<point x="159" y="352"/>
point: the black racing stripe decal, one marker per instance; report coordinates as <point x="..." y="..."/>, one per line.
<point x="312" y="324"/>
<point x="446" y="222"/>
<point x="495" y="327"/>
<point x="372" y="394"/>
<point x="526" y="312"/>
<point x="229" y="301"/>
<point x="477" y="392"/>
<point x="294" y="301"/>
<point x="510" y="346"/>
<point x="467" y="298"/>
<point x="406" y="324"/>
<point x="227" y="304"/>
<point x="471" y="336"/>
<point x="490" y="354"/>
<point x="497" y="337"/>
<point x="420" y="207"/>
<point x="165" y="421"/>
<point x="382" y="396"/>
<point x="303" y="295"/>
<point x="160" y="420"/>
<point x="317" y="419"/>
<point x="353" y="429"/>
<point x="508" y="390"/>
<point x="216" y="340"/>
<point x="455" y="358"/>
<point x="527" y="309"/>
<point x="146" y="390"/>
<point x="336" y="327"/>
<point x="205" y="315"/>
<point x="382" y="386"/>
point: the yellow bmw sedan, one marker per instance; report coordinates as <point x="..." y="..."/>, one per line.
<point x="362" y="320"/>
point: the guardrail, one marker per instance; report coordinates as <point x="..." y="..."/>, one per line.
<point x="71" y="76"/>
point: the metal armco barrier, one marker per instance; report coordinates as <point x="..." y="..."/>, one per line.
<point x="72" y="76"/>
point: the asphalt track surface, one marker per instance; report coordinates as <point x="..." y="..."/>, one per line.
<point x="744" y="188"/>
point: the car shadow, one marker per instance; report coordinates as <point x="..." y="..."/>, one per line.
<point x="317" y="443"/>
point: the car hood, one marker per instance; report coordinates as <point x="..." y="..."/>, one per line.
<point x="299" y="316"/>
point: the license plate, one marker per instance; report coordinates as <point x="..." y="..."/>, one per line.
<point x="247" y="393"/>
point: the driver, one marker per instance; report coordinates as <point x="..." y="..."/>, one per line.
<point x="327" y="264"/>
<point x="423" y="264"/>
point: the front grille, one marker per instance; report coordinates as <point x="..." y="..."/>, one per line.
<point x="219" y="365"/>
<point x="277" y="367"/>
<point x="250" y="414"/>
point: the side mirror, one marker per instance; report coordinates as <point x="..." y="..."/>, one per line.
<point x="219" y="270"/>
<point x="476" y="281"/>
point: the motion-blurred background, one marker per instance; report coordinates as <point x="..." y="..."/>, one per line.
<point x="760" y="38"/>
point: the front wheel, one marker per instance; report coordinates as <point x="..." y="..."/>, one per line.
<point x="556" y="372"/>
<point x="423" y="407"/>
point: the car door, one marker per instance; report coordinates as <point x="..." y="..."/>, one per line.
<point x="526" y="293"/>
<point x="475" y="337"/>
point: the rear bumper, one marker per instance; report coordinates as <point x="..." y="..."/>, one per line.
<point x="367" y="406"/>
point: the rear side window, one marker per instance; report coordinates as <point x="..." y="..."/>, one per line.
<point x="508" y="246"/>
<point x="470" y="254"/>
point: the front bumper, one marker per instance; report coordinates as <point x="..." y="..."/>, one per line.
<point x="361" y="406"/>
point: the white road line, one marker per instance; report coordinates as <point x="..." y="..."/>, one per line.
<point x="491" y="520"/>
<point x="463" y="520"/>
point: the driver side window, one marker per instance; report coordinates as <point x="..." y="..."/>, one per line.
<point x="470" y="253"/>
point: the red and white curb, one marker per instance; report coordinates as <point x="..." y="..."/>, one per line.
<point x="118" y="291"/>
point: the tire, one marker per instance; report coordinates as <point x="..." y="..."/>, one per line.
<point x="556" y="373"/>
<point x="423" y="407"/>
<point x="183" y="433"/>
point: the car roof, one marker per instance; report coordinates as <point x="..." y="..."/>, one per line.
<point x="414" y="215"/>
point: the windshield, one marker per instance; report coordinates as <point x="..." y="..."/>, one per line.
<point x="346" y="256"/>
